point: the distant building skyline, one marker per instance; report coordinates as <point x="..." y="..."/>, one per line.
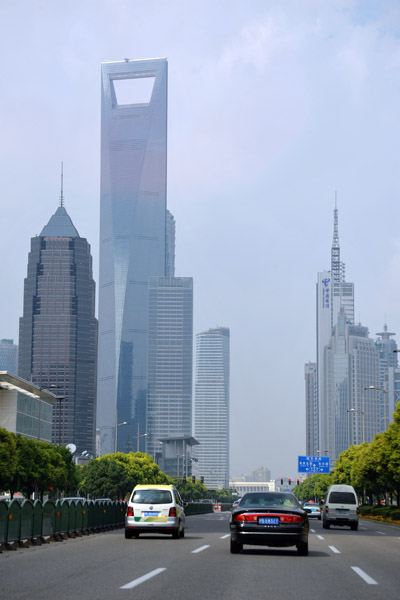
<point x="310" y="376"/>
<point x="212" y="406"/>
<point x="132" y="239"/>
<point x="58" y="329"/>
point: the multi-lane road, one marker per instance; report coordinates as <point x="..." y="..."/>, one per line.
<point x="341" y="565"/>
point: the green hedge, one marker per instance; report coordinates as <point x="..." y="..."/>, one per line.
<point x="386" y="512"/>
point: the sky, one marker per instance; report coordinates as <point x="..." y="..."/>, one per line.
<point x="274" y="108"/>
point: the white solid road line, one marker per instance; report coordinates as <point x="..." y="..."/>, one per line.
<point x="335" y="550"/>
<point x="225" y="536"/>
<point x="142" y="579"/>
<point x="364" y="576"/>
<point x="200" y="549"/>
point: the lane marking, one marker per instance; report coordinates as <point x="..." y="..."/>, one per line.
<point x="364" y="576"/>
<point x="142" y="579"/>
<point x="320" y="537"/>
<point x="335" y="550"/>
<point x="312" y="530"/>
<point x="225" y="536"/>
<point x="200" y="549"/>
<point x="381" y="532"/>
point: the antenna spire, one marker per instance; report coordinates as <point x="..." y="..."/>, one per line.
<point x="62" y="185"/>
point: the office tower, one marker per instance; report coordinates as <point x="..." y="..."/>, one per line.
<point x="310" y="376"/>
<point x="351" y="367"/>
<point x="211" y="418"/>
<point x="58" y="329"/>
<point x="170" y="260"/>
<point x="334" y="295"/>
<point x="8" y="356"/>
<point x="170" y="358"/>
<point x="387" y="363"/>
<point x="132" y="240"/>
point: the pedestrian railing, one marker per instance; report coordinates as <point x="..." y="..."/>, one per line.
<point x="34" y="522"/>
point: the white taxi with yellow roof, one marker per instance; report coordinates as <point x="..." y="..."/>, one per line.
<point x="155" y="509"/>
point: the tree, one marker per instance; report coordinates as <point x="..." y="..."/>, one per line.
<point x="8" y="458"/>
<point x="190" y="491"/>
<point x="115" y="475"/>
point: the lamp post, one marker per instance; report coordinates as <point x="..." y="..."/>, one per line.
<point x="116" y="433"/>
<point x="139" y="436"/>
<point x="373" y="387"/>
<point x="353" y="410"/>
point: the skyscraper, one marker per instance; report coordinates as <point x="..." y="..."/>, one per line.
<point x="211" y="418"/>
<point x="132" y="240"/>
<point x="310" y="376"/>
<point x="351" y="365"/>
<point x="170" y="350"/>
<point x="334" y="295"/>
<point x="8" y="356"/>
<point x="58" y="329"/>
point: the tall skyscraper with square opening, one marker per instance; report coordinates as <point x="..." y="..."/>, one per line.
<point x="132" y="240"/>
<point x="58" y="329"/>
<point x="211" y="419"/>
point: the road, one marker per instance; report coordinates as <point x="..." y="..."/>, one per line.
<point x="341" y="565"/>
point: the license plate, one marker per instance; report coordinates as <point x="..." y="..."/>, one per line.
<point x="268" y="520"/>
<point x="342" y="512"/>
<point x="150" y="514"/>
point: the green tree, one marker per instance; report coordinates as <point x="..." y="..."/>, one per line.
<point x="8" y="459"/>
<point x="313" y="488"/>
<point x="115" y="475"/>
<point x="190" y="491"/>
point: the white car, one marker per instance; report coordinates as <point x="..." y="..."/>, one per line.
<point x="155" y="509"/>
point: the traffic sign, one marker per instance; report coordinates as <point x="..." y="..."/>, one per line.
<point x="314" y="464"/>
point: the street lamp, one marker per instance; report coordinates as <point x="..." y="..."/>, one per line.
<point x="373" y="387"/>
<point x="140" y="436"/>
<point x="353" y="410"/>
<point x="116" y="433"/>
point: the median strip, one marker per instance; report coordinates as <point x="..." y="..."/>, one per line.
<point x="200" y="549"/>
<point x="364" y="576"/>
<point x="142" y="579"/>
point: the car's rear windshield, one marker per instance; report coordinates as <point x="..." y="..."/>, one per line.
<point x="152" y="497"/>
<point x="259" y="499"/>
<point x="342" y="498"/>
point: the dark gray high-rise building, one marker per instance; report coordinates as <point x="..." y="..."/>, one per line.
<point x="133" y="231"/>
<point x="58" y="329"/>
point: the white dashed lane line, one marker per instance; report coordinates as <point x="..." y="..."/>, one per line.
<point x="320" y="537"/>
<point x="335" y="550"/>
<point x="200" y="549"/>
<point x="142" y="579"/>
<point x="364" y="576"/>
<point x="225" y="536"/>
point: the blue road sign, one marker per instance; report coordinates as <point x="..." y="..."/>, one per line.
<point x="314" y="464"/>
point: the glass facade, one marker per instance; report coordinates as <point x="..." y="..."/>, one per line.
<point x="8" y="356"/>
<point x="211" y="419"/>
<point x="132" y="240"/>
<point x="170" y="343"/>
<point x="58" y="329"/>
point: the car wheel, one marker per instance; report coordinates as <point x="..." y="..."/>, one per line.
<point x="183" y="532"/>
<point x="302" y="548"/>
<point x="236" y="547"/>
<point x="175" y="534"/>
<point x="136" y="535"/>
<point x="319" y="518"/>
<point x="354" y="526"/>
<point x="128" y="534"/>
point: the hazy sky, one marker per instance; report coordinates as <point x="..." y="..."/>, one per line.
<point x="273" y="106"/>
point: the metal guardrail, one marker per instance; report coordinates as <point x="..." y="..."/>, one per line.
<point x="31" y="522"/>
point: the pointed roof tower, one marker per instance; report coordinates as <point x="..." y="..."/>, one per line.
<point x="60" y="224"/>
<point x="337" y="267"/>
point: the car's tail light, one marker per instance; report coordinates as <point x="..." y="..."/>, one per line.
<point x="291" y="519"/>
<point x="130" y="511"/>
<point x="357" y="510"/>
<point x="172" y="511"/>
<point x="326" y="508"/>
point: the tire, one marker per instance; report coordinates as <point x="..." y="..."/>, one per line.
<point x="236" y="547"/>
<point x="354" y="526"/>
<point x="182" y="532"/>
<point x="326" y="525"/>
<point x="136" y="535"/>
<point x="319" y="518"/>
<point x="128" y="534"/>
<point x="176" y="534"/>
<point x="302" y="548"/>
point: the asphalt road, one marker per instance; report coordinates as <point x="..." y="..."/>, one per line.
<point x="341" y="565"/>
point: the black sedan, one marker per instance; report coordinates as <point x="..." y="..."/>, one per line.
<point x="269" y="519"/>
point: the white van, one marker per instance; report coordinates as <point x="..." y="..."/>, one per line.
<point x="340" y="507"/>
<point x="155" y="509"/>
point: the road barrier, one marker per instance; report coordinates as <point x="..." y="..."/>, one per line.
<point x="31" y="522"/>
